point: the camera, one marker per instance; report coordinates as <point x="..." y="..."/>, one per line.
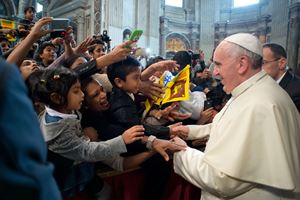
<point x="105" y="38"/>
<point x="58" y="26"/>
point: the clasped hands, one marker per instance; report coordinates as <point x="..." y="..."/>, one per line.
<point x="167" y="147"/>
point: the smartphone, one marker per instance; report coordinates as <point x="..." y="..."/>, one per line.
<point x="58" y="26"/>
<point x="208" y="104"/>
<point x="135" y="36"/>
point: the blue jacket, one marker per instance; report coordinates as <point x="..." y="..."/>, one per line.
<point x="24" y="171"/>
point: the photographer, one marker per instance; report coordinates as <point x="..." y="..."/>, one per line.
<point x="105" y="40"/>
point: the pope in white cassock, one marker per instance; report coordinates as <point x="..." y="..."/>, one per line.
<point x="253" y="150"/>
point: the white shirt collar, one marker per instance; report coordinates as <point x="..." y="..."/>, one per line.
<point x="131" y="95"/>
<point x="281" y="77"/>
<point x="55" y="113"/>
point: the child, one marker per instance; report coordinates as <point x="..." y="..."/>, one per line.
<point x="125" y="77"/>
<point x="59" y="89"/>
<point x="97" y="49"/>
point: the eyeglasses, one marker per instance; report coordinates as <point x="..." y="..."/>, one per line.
<point x="269" y="61"/>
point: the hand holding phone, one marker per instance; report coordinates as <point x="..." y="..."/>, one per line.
<point x="135" y="36"/>
<point x="58" y="26"/>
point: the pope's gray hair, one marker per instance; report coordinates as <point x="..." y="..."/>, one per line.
<point x="236" y="51"/>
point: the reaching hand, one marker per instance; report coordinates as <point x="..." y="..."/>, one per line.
<point x="206" y="116"/>
<point x="133" y="134"/>
<point x="179" y="130"/>
<point x="162" y="146"/>
<point x="83" y="46"/>
<point x="174" y="114"/>
<point x="166" y="65"/>
<point x="178" y="141"/>
<point x="120" y="52"/>
<point x="38" y="31"/>
<point x="151" y="89"/>
<point x="68" y="37"/>
<point x="57" y="41"/>
<point x="91" y="133"/>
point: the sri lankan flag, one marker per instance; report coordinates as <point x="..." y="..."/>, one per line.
<point x="176" y="89"/>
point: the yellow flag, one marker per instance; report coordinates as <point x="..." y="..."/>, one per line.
<point x="177" y="89"/>
<point x="7" y="24"/>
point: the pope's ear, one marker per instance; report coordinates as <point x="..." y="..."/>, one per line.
<point x="57" y="98"/>
<point x="119" y="82"/>
<point x="244" y="64"/>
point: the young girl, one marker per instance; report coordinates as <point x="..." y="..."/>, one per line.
<point x="69" y="150"/>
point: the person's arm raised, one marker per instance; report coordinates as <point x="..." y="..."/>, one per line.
<point x="119" y="53"/>
<point x="37" y="31"/>
<point x="162" y="66"/>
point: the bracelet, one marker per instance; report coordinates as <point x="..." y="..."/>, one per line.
<point x="150" y="139"/>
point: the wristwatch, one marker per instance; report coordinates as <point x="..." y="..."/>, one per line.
<point x="150" y="139"/>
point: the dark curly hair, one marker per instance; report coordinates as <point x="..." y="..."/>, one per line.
<point x="55" y="80"/>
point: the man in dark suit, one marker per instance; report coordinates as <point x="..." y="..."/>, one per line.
<point x="275" y="64"/>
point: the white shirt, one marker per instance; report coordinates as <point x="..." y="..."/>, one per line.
<point x="281" y="77"/>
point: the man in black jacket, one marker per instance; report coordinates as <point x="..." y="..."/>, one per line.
<point x="275" y="64"/>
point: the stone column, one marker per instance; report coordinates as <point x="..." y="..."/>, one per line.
<point x="293" y="36"/>
<point x="10" y="7"/>
<point x="162" y="36"/>
<point x="97" y="15"/>
<point x="162" y="30"/>
<point x="80" y="27"/>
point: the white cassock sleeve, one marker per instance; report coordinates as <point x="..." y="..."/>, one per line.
<point x="190" y="165"/>
<point x="198" y="131"/>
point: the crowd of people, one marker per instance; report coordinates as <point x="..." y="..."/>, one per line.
<point x="66" y="107"/>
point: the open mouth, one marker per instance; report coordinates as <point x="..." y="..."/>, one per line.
<point x="104" y="103"/>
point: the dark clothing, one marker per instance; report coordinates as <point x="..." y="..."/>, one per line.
<point x="87" y="69"/>
<point x="99" y="121"/>
<point x="71" y="178"/>
<point x="291" y="84"/>
<point x="24" y="170"/>
<point x="123" y="114"/>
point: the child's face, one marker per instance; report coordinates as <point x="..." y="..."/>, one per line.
<point x="98" y="51"/>
<point x="29" y="15"/>
<point x="132" y="82"/>
<point x="75" y="97"/>
<point x="95" y="97"/>
<point x="49" y="54"/>
<point x="5" y="45"/>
